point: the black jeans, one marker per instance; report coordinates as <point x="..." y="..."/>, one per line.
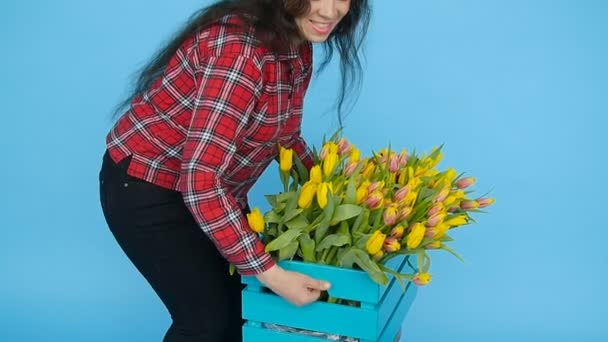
<point x="157" y="232"/>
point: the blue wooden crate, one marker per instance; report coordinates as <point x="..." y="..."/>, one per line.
<point x="378" y="319"/>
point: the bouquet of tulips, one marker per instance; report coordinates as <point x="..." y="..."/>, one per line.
<point x="359" y="212"/>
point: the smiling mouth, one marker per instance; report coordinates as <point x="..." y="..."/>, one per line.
<point x="320" y="27"/>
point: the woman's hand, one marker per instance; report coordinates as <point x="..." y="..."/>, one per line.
<point x="296" y="288"/>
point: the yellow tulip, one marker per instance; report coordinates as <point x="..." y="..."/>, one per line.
<point x="256" y="220"/>
<point x="422" y="279"/>
<point x="285" y="159"/>
<point x="322" y="193"/>
<point x="397" y="232"/>
<point x="355" y="155"/>
<point x="440" y="230"/>
<point x="329" y="163"/>
<point x="378" y="255"/>
<point x="457" y="221"/>
<point x="328" y="148"/>
<point x="433" y="245"/>
<point x="414" y="238"/>
<point x="361" y="194"/>
<point x="307" y="193"/>
<point x="391" y="214"/>
<point x="449" y="200"/>
<point x="368" y="170"/>
<point x="315" y="174"/>
<point x="375" y="242"/>
<point x="459" y="194"/>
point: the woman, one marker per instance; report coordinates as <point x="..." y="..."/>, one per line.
<point x="202" y="124"/>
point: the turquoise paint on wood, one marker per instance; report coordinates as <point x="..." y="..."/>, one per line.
<point x="382" y="311"/>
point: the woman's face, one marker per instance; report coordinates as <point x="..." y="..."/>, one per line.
<point x="322" y="19"/>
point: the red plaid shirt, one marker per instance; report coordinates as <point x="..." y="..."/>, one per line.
<point x="211" y="124"/>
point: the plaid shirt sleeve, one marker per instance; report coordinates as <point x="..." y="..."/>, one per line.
<point x="228" y="88"/>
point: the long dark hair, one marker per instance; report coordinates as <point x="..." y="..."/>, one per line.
<point x="274" y="23"/>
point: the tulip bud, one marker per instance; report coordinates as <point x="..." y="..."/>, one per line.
<point x="368" y="170"/>
<point x="484" y="202"/>
<point x="397" y="232"/>
<point x="405" y="212"/>
<point x="361" y="194"/>
<point x="421" y="279"/>
<point x="383" y="155"/>
<point x="390" y="215"/>
<point x="435" y="219"/>
<point x="256" y="220"/>
<point x="409" y="199"/>
<point x="375" y="242"/>
<point x="402" y="158"/>
<point x="393" y="164"/>
<point x="433" y="245"/>
<point x="391" y="245"/>
<point x="442" y="195"/>
<point x="438" y="231"/>
<point x="450" y="175"/>
<point x="285" y="159"/>
<point x="375" y="200"/>
<point x="350" y="168"/>
<point x="322" y="193"/>
<point x="344" y="147"/>
<point x="465" y="182"/>
<point x="459" y="194"/>
<point x="437" y="207"/>
<point x="457" y="221"/>
<point x="400" y="194"/>
<point x="307" y="194"/>
<point x="329" y="147"/>
<point x="329" y="163"/>
<point x="378" y="255"/>
<point x="315" y="174"/>
<point x="415" y="236"/>
<point x="355" y="155"/>
<point x="449" y="200"/>
<point x="469" y="205"/>
<point x="375" y="186"/>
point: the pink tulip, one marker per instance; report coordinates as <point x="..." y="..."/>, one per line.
<point x="350" y="168"/>
<point x="393" y="165"/>
<point x="391" y="244"/>
<point x="442" y="195"/>
<point x="344" y="146"/>
<point x="435" y="219"/>
<point x="437" y="207"/>
<point x="374" y="200"/>
<point x="401" y="193"/>
<point x="404" y="213"/>
<point x="484" y="202"/>
<point x="375" y="186"/>
<point x="390" y="215"/>
<point x="403" y="159"/>
<point x="465" y="182"/>
<point x="469" y="205"/>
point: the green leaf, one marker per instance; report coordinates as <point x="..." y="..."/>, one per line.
<point x="446" y="238"/>
<point x="345" y="212"/>
<point x="423" y="260"/>
<point x="272" y="200"/>
<point x="300" y="168"/>
<point x="298" y="222"/>
<point x="367" y="264"/>
<point x="337" y="240"/>
<point x="289" y="215"/>
<point x="328" y="212"/>
<point x="451" y="251"/>
<point x="272" y="217"/>
<point x="307" y="245"/>
<point x="289" y="251"/>
<point x="284" y="197"/>
<point x="346" y="258"/>
<point x="283" y="240"/>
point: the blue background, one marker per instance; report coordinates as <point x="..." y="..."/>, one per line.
<point x="517" y="90"/>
